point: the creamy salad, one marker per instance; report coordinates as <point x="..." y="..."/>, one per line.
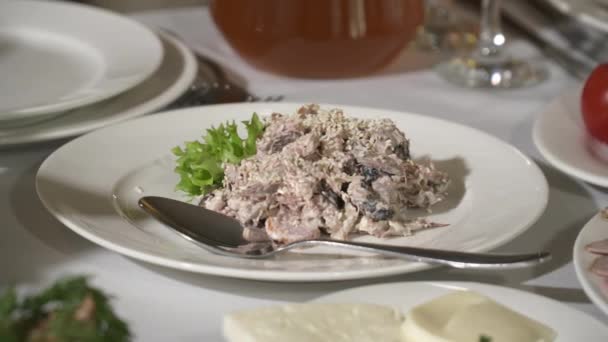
<point x="319" y="172"/>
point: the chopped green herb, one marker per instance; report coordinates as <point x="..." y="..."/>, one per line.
<point x="485" y="338"/>
<point x="70" y="310"/>
<point x="200" y="164"/>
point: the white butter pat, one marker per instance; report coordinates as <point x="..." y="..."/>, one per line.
<point x="315" y="323"/>
<point x="465" y="316"/>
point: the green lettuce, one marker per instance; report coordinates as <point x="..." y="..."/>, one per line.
<point x="200" y="164"/>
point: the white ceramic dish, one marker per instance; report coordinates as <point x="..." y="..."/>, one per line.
<point x="595" y="287"/>
<point x="570" y="324"/>
<point x="98" y="199"/>
<point x="171" y="79"/>
<point x="590" y="12"/>
<point x="56" y="56"/>
<point x="560" y="136"/>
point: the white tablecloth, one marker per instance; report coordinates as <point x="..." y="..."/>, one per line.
<point x="166" y="305"/>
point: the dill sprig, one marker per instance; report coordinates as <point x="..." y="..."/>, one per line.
<point x="58" y="314"/>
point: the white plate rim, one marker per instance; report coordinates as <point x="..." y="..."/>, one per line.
<point x="543" y="119"/>
<point x="171" y="93"/>
<point x="302" y="276"/>
<point x="582" y="269"/>
<point x="483" y="288"/>
<point x="148" y="66"/>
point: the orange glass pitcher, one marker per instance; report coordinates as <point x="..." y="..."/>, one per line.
<point x="318" y="38"/>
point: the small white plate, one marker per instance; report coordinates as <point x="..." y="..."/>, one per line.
<point x="57" y="56"/>
<point x="571" y="325"/>
<point x="595" y="286"/>
<point x="496" y="194"/>
<point x="169" y="81"/>
<point x="560" y="136"/>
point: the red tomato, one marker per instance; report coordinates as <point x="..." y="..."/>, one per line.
<point x="594" y="103"/>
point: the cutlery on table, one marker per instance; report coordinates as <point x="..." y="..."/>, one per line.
<point x="220" y="234"/>
<point x="576" y="48"/>
<point x="213" y="85"/>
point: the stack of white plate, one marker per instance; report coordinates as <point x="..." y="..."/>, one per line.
<point x="68" y="69"/>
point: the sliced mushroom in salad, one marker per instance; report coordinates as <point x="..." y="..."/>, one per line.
<point x="320" y="172"/>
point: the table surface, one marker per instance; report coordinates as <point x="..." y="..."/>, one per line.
<point x="167" y="305"/>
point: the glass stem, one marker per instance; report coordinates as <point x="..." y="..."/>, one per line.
<point x="491" y="38"/>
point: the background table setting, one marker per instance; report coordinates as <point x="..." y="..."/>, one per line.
<point x="81" y="143"/>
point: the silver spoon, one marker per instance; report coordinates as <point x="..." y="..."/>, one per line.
<point x="223" y="235"/>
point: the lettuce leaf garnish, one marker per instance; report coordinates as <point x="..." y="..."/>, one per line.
<point x="200" y="164"/>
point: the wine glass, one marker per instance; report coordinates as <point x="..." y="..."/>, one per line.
<point x="444" y="30"/>
<point x="489" y="66"/>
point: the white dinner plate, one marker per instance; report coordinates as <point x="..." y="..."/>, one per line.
<point x="571" y="325"/>
<point x="561" y="137"/>
<point x="496" y="193"/>
<point x="595" y="286"/>
<point x="169" y="81"/>
<point x="57" y="56"/>
<point x="590" y="12"/>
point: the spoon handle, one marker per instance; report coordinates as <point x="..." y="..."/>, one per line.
<point x="436" y="256"/>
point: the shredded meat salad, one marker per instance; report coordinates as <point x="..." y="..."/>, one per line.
<point x="319" y="171"/>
